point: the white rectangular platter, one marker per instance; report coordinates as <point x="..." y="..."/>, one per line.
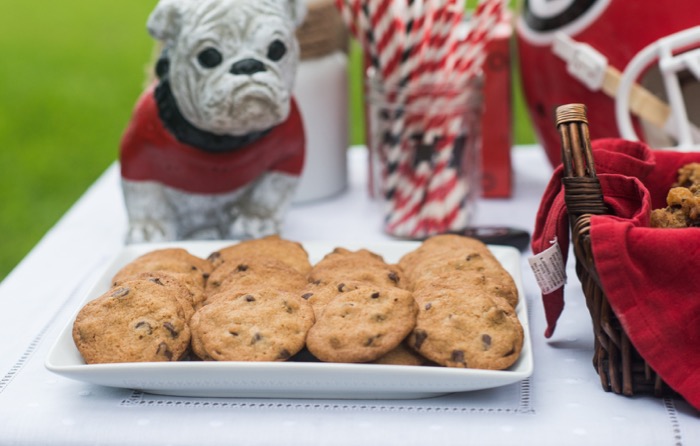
<point x="288" y="379"/>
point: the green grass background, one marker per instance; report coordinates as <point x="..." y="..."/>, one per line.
<point x="69" y="76"/>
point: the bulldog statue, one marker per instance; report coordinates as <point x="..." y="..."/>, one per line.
<point x="215" y="146"/>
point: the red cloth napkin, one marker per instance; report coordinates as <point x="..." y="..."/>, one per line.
<point x="611" y="155"/>
<point x="650" y="276"/>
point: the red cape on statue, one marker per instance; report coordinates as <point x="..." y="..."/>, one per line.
<point x="150" y="153"/>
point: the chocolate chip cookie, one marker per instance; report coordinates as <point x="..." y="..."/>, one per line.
<point x="263" y="325"/>
<point x="452" y="261"/>
<point x="273" y="247"/>
<point x="319" y="295"/>
<point x="251" y="273"/>
<point x="466" y="328"/>
<point x="362" y="325"/>
<point x="343" y="266"/>
<point x="181" y="286"/>
<point x="402" y="355"/>
<point x="137" y="321"/>
<point x="172" y="260"/>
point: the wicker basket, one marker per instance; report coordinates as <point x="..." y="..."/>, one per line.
<point x="621" y="368"/>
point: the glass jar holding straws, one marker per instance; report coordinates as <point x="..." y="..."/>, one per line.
<point x="425" y="140"/>
<point x="424" y="99"/>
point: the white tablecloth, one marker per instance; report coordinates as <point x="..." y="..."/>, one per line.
<point x="561" y="403"/>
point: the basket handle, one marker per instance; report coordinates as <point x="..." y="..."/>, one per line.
<point x="582" y="191"/>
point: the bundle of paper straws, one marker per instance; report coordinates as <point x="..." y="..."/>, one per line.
<point x="417" y="52"/>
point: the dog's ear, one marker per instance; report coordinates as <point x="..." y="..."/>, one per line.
<point x="165" y="21"/>
<point x="297" y="11"/>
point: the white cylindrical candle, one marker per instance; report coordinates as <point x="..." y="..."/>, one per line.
<point x="321" y="90"/>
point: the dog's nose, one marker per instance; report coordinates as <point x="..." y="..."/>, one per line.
<point x="247" y="66"/>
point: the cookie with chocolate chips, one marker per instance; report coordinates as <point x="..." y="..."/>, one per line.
<point x="453" y="261"/>
<point x="403" y="355"/>
<point x="263" y="325"/>
<point x="288" y="252"/>
<point x="181" y="286"/>
<point x="138" y="321"/>
<point x="251" y="273"/>
<point x="682" y="210"/>
<point x="362" y="325"/>
<point x="344" y="266"/>
<point x="466" y="328"/>
<point x="172" y="260"/>
<point x="319" y="295"/>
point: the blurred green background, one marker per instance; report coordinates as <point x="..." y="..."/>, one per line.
<point x="70" y="74"/>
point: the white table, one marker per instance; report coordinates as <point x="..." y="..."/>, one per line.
<point x="562" y="403"/>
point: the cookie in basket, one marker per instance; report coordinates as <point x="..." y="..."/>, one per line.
<point x="466" y="328"/>
<point x="682" y="210"/>
<point x="248" y="274"/>
<point x="137" y="321"/>
<point x="287" y="251"/>
<point x="362" y="325"/>
<point x="173" y="260"/>
<point x="688" y="175"/>
<point x="343" y="266"/>
<point x="263" y="325"/>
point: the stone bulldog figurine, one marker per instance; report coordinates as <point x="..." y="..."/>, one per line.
<point x="216" y="146"/>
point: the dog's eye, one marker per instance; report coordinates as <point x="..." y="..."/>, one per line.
<point x="209" y="58"/>
<point x="276" y="50"/>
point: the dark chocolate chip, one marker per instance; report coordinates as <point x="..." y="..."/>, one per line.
<point x="214" y="256"/>
<point x="173" y="333"/>
<point x="510" y="352"/>
<point x="428" y="306"/>
<point x="419" y="336"/>
<point x="157" y="281"/>
<point x="375" y="295"/>
<point x="307" y="295"/>
<point x="486" y="341"/>
<point x="249" y="298"/>
<point x="394" y="277"/>
<point x="370" y="340"/>
<point x="143" y="325"/>
<point x="341" y="287"/>
<point x="256" y="337"/>
<point x="165" y="351"/>
<point x="458" y="356"/>
<point x="242" y="267"/>
<point x="284" y="354"/>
